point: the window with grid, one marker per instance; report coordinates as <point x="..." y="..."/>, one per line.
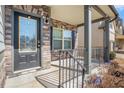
<point x="62" y="39"/>
<point x="67" y="39"/>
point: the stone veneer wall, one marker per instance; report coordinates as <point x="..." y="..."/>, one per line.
<point x="64" y="25"/>
<point x="45" y="47"/>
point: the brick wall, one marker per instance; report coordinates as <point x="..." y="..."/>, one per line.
<point x="45" y="47"/>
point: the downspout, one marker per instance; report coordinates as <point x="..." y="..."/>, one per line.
<point x="115" y="12"/>
<point x="114" y="18"/>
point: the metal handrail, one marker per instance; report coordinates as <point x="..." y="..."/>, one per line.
<point x="75" y="57"/>
<point x="70" y="79"/>
<point x="82" y="66"/>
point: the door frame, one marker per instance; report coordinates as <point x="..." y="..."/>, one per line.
<point x="41" y="29"/>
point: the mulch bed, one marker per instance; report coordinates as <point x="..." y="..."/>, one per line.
<point x="111" y="76"/>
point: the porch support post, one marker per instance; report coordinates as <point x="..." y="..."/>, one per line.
<point x="87" y="37"/>
<point x="106" y="41"/>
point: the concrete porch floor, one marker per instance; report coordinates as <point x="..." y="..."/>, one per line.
<point x="27" y="80"/>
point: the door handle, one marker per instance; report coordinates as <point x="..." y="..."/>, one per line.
<point x="38" y="45"/>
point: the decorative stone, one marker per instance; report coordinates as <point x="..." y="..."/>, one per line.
<point x="34" y="11"/>
<point x="20" y="7"/>
<point x="25" y="7"/>
<point x="29" y="8"/>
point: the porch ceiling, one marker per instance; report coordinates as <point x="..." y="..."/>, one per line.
<point x="74" y="14"/>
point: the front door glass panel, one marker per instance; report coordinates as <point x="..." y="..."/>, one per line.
<point x="27" y="34"/>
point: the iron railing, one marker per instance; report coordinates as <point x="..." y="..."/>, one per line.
<point x="97" y="55"/>
<point x="71" y="65"/>
<point x="71" y="71"/>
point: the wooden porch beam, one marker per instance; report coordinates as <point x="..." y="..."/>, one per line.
<point x="99" y="10"/>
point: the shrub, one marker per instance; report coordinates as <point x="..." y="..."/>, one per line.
<point x="112" y="55"/>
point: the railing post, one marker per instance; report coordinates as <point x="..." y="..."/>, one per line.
<point x="59" y="69"/>
<point x="70" y="77"/>
<point x="83" y="75"/>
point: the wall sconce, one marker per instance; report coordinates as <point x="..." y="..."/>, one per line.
<point x="46" y="19"/>
<point x="101" y="25"/>
<point x="29" y="17"/>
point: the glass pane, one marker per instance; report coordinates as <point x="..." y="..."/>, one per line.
<point x="57" y="44"/>
<point x="67" y="34"/>
<point x="57" y="33"/>
<point x="67" y="44"/>
<point x="28" y="34"/>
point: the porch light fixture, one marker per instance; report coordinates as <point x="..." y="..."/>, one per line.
<point x="101" y="25"/>
<point x="46" y="19"/>
<point x="29" y="17"/>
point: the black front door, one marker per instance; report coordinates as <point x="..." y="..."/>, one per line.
<point x="26" y="41"/>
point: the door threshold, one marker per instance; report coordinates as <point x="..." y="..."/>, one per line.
<point x="25" y="71"/>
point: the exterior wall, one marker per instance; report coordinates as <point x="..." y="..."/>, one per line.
<point x="119" y="35"/>
<point x="119" y="26"/>
<point x="121" y="44"/>
<point x="97" y="36"/>
<point x="45" y="47"/>
<point x="112" y="36"/>
<point x="63" y="25"/>
<point x="2" y="48"/>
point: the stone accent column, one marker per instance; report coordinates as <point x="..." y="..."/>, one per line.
<point x="8" y="39"/>
<point x="46" y="52"/>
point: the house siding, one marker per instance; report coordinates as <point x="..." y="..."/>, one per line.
<point x="97" y="36"/>
<point x="2" y="48"/>
<point x="112" y="36"/>
<point x="45" y="45"/>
